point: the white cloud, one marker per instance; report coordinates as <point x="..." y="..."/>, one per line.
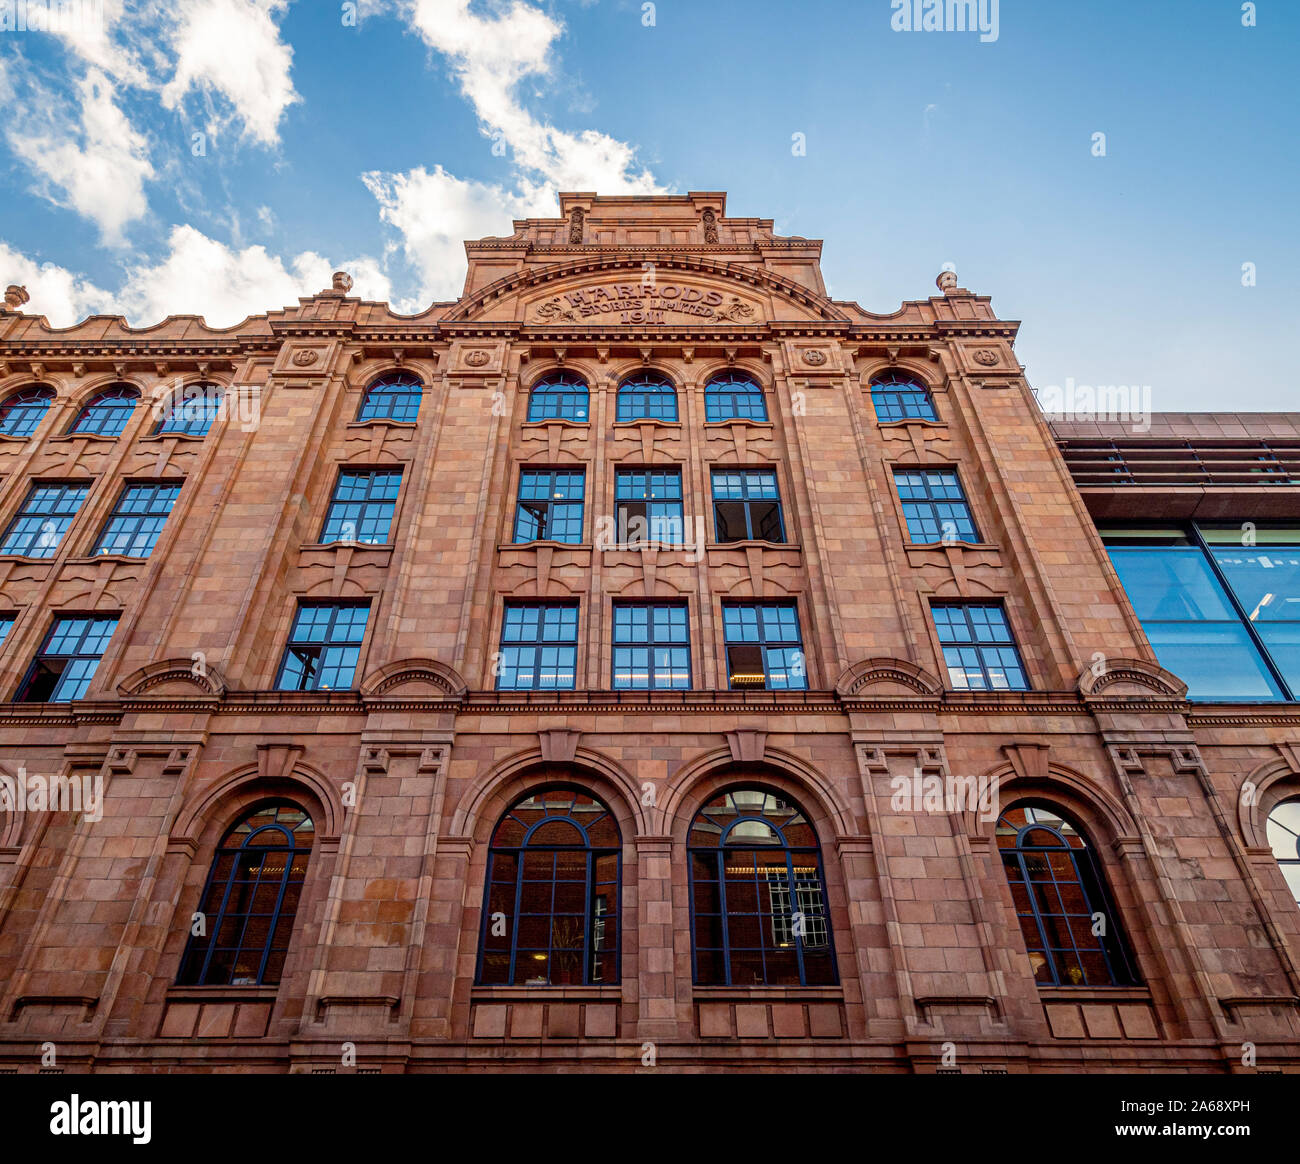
<point x="56" y="293"/>
<point x="99" y="171"/>
<point x="233" y="47"/>
<point x="197" y="276"/>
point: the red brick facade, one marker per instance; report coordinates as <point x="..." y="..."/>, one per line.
<point x="406" y="775"/>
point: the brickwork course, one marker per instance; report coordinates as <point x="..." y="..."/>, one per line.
<point x="406" y="774"/>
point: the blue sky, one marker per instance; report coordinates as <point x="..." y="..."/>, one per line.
<point x="379" y="144"/>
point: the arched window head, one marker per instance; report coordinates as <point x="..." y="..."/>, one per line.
<point x="733" y="396"/>
<point x="192" y="410"/>
<point x="550" y="911"/>
<point x="106" y="413"/>
<point x="647" y="396"/>
<point x="250" y="901"/>
<point x="559" y="396"/>
<point x="21" y="412"/>
<point x="1072" y="931"/>
<point x="758" y="897"/>
<point x="1284" y="837"/>
<point x="898" y="396"/>
<point x="395" y="396"/>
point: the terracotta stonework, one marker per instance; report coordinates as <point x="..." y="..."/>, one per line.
<point x="406" y="775"/>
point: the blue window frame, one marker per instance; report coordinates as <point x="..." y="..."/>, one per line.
<point x="250" y="900"/>
<point x="6" y="625"/>
<point x="747" y="506"/>
<point x="759" y="915"/>
<point x="192" y="411"/>
<point x="539" y="650"/>
<point x="550" y="506"/>
<point x="1284" y="839"/>
<point x="106" y="413"/>
<point x="732" y="396"/>
<point x="550" y="909"/>
<point x="136" y="521"/>
<point x="647" y="396"/>
<point x="67" y="659"/>
<point x="935" y="506"/>
<point x="896" y="396"/>
<point x="1059" y="891"/>
<point x="652" y="646"/>
<point x="1210" y="606"/>
<point x="324" y="646"/>
<point x="648" y="506"/>
<point x="978" y="648"/>
<point x="22" y="412"/>
<point x="362" y="507"/>
<point x="392" y="397"/>
<point x="764" y="649"/>
<point x="38" y="527"/>
<point x="560" y="396"/>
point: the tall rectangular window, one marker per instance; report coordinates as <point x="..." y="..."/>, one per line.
<point x="935" y="506"/>
<point x="648" y="506"/>
<point x="747" y="505"/>
<point x="39" y="526"/>
<point x="1210" y="605"/>
<point x="764" y="649"/>
<point x="66" y="661"/>
<point x="362" y="507"/>
<point x="324" y="646"/>
<point x="978" y="648"/>
<point x="133" y="527"/>
<point x="6" y="625"/>
<point x="652" y="646"/>
<point x="550" y="506"/>
<point x="539" y="649"/>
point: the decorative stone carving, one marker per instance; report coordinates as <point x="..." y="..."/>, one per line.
<point x="477" y="358"/>
<point x="553" y="311"/>
<point x="947" y="281"/>
<point x="814" y="356"/>
<point x="577" y="219"/>
<point x="710" y="227"/>
<point x="986" y="356"/>
<point x="15" y="297"/>
<point x="342" y="282"/>
<point x="305" y="358"/>
<point x="735" y="311"/>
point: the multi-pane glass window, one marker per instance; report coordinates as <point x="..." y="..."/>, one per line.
<point x="66" y="661"/>
<point x="1219" y="604"/>
<point x="550" y="505"/>
<point x="763" y="646"/>
<point x="107" y="412"/>
<point x="978" y="648"/>
<point x="250" y="900"/>
<point x="362" y="507"/>
<point x="647" y="396"/>
<point x="747" y="505"/>
<point x="21" y="413"/>
<point x="324" y="646"/>
<point x="1072" y="933"/>
<point x="192" y="410"/>
<point x="1284" y="839"/>
<point x="758" y="897"/>
<point x="935" y="506"/>
<point x="896" y="396"/>
<point x="550" y="914"/>
<point x="539" y="647"/>
<point x="561" y="396"/>
<point x="6" y="625"/>
<point x="733" y="396"/>
<point x="40" y="524"/>
<point x="138" y="518"/>
<point x="648" y="506"/>
<point x="392" y="397"/>
<point x="652" y="645"/>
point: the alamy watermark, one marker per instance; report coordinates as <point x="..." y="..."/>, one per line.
<point x="1126" y="403"/>
<point x="941" y="792"/>
<point x="946" y="16"/>
<point x="59" y="16"/>
<point x="33" y="793"/>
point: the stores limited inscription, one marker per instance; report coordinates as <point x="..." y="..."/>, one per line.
<point x="643" y="303"/>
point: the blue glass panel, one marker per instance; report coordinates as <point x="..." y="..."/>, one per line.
<point x="1215" y="660"/>
<point x="1175" y="584"/>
